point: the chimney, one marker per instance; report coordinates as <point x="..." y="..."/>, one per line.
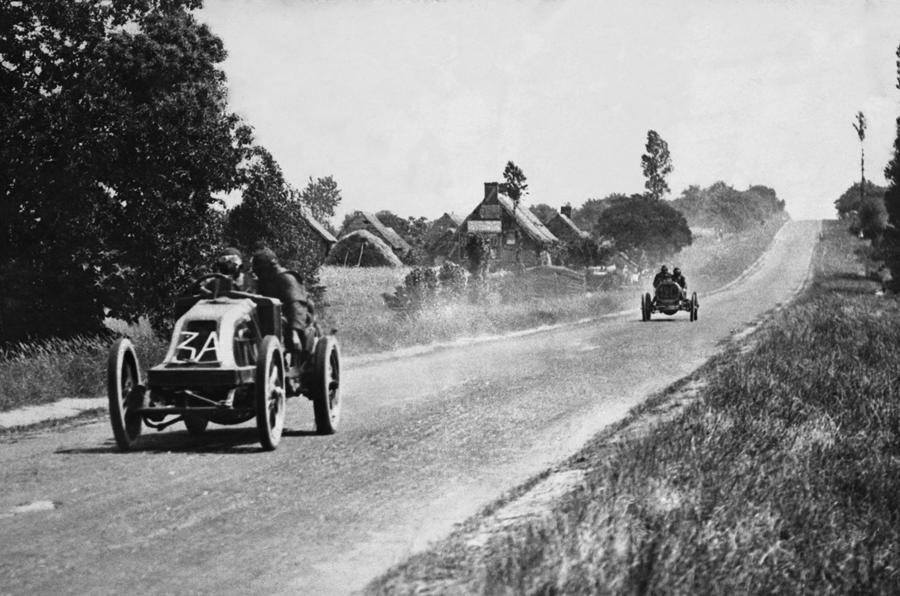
<point x="566" y="210"/>
<point x="491" y="189"/>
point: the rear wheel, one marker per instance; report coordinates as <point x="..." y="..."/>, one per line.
<point x="123" y="380"/>
<point x="270" y="395"/>
<point x="327" y="388"/>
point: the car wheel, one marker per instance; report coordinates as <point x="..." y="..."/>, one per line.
<point x="123" y="379"/>
<point x="270" y="395"/>
<point x="327" y="389"/>
<point x="648" y="300"/>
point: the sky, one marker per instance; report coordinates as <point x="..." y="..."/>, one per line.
<point x="413" y="105"/>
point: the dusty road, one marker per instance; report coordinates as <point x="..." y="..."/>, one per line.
<point x="425" y="442"/>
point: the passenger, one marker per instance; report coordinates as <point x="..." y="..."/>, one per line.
<point x="678" y="278"/>
<point x="661" y="276"/>
<point x="274" y="281"/>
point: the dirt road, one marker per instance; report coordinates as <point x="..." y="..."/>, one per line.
<point x="426" y="441"/>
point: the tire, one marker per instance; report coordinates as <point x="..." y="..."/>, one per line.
<point x="648" y="301"/>
<point x="270" y="395"/>
<point x="123" y="376"/>
<point x="327" y="388"/>
<point x="196" y="425"/>
<point x="695" y="307"/>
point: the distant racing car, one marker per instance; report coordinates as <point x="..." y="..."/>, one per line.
<point x="226" y="364"/>
<point x="669" y="298"/>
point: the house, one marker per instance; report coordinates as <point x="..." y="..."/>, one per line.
<point x="363" y="220"/>
<point x="515" y="234"/>
<point x="564" y="228"/>
<point x="442" y="238"/>
<point x="446" y="222"/>
<point x="325" y="240"/>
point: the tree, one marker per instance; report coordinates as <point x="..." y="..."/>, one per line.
<point x="860" y="127"/>
<point x="322" y="196"/>
<point x="516" y="184"/>
<point x="656" y="164"/>
<point x="543" y="212"/>
<point x="586" y="216"/>
<point x="641" y="223"/>
<point x="890" y="246"/>
<point x="412" y="230"/>
<point x="850" y="202"/>
<point x="114" y="139"/>
<point x="271" y="214"/>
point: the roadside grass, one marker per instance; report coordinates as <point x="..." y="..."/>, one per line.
<point x="781" y="476"/>
<point x="44" y="371"/>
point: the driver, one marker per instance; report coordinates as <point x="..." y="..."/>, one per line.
<point x="228" y="262"/>
<point x="275" y="281"/>
<point x="661" y="276"/>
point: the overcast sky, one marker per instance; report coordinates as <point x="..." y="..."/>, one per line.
<point x="413" y="105"/>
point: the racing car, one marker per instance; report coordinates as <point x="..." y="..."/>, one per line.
<point x="668" y="299"/>
<point x="226" y="363"/>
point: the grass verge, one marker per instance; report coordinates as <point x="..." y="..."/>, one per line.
<point x="42" y="372"/>
<point x="779" y="475"/>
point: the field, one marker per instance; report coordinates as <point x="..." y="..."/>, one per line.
<point x="773" y="469"/>
<point x="42" y="372"/>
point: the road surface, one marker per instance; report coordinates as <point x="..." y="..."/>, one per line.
<point x="425" y="442"/>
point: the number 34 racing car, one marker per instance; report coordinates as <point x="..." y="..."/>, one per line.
<point x="226" y="364"/>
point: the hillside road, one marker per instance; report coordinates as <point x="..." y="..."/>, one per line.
<point x="425" y="442"/>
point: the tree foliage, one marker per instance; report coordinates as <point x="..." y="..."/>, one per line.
<point x="272" y="213"/>
<point x="516" y="183"/>
<point x="726" y="209"/>
<point x="849" y="202"/>
<point x="642" y="224"/>
<point x="413" y="230"/>
<point x="321" y="196"/>
<point x="586" y="216"/>
<point x="114" y="138"/>
<point x="890" y="249"/>
<point x="656" y="165"/>
<point x="543" y="212"/>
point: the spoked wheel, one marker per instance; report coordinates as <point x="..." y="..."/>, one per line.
<point x="196" y="425"/>
<point x="123" y="379"/>
<point x="270" y="395"/>
<point x="327" y="389"/>
<point x="695" y="307"/>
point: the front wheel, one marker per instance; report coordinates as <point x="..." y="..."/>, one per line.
<point x="695" y="307"/>
<point x="327" y="388"/>
<point x="270" y="394"/>
<point x="648" y="306"/>
<point x="123" y="380"/>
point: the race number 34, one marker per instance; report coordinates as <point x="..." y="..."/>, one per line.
<point x="193" y="348"/>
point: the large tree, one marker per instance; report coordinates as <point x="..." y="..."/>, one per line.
<point x="656" y="165"/>
<point x="639" y="224"/>
<point x="114" y="138"/>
